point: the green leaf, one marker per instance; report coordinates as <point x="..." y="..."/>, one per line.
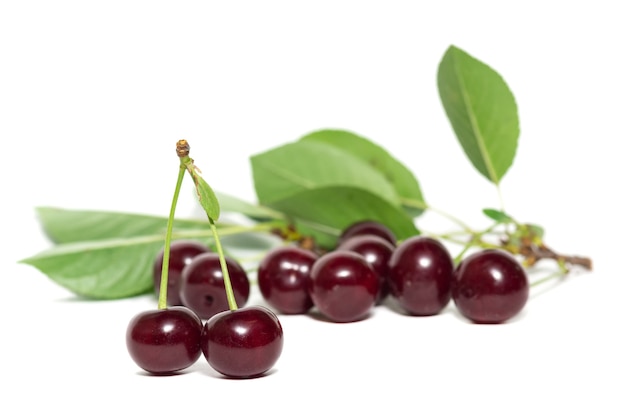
<point x="323" y="212"/>
<point x="229" y="203"/>
<point x="397" y="174"/>
<point x="106" y="255"/>
<point x="481" y="110"/>
<point x="65" y="225"/>
<point x="113" y="256"/>
<point x="497" y="215"/>
<point x="206" y="197"/>
<point x="104" y="269"/>
<point x="307" y="165"/>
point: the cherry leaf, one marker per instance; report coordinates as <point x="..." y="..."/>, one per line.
<point x="206" y="197"/>
<point x="102" y="269"/>
<point x="397" y="174"/>
<point x="482" y="111"/>
<point x="497" y="215"/>
<point x="295" y="167"/>
<point x="67" y="225"/>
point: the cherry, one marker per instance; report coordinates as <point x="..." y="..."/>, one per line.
<point x="377" y="252"/>
<point x="181" y="254"/>
<point x="490" y="286"/>
<point x="164" y="341"/>
<point x="343" y="286"/>
<point x="283" y="279"/>
<point x="367" y="227"/>
<point x="242" y="343"/>
<point x="202" y="284"/>
<point x="420" y="275"/>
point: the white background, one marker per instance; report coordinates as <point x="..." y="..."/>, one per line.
<point x="94" y="95"/>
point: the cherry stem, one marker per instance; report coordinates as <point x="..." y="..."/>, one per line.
<point x="424" y="206"/>
<point x="554" y="275"/>
<point x="182" y="150"/>
<point x="168" y="238"/>
<point x="230" y="295"/>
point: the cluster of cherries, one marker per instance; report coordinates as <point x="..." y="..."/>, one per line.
<point x="368" y="265"/>
<point x="343" y="285"/>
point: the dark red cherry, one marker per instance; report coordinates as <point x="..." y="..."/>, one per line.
<point x="490" y="286"/>
<point x="377" y="251"/>
<point x="181" y="254"/>
<point x="420" y="275"/>
<point x="164" y="341"/>
<point x="368" y="227"/>
<point x="202" y="285"/>
<point x="243" y="343"/>
<point x="343" y="286"/>
<point x="283" y="276"/>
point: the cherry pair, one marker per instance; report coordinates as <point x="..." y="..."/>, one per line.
<point x="239" y="343"/>
<point x="243" y="343"/>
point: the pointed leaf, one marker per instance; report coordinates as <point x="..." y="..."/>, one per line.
<point x="324" y="212"/>
<point x="66" y="225"/>
<point x="482" y="111"/>
<point x="398" y="175"/>
<point x="497" y="215"/>
<point x="206" y="197"/>
<point x="307" y="165"/>
<point x="104" y="269"/>
<point x="119" y="263"/>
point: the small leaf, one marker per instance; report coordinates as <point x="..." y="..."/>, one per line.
<point x="497" y="215"/>
<point x="307" y="165"/>
<point x="66" y="225"/>
<point x="105" y="269"/>
<point x="481" y="110"/>
<point x="206" y="197"/>
<point x="324" y="212"/>
<point x="229" y="203"/>
<point x="398" y="175"/>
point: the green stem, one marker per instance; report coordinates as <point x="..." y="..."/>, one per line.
<point x="476" y="240"/>
<point x="454" y="219"/>
<point x="423" y="206"/>
<point x="500" y="197"/>
<point x="229" y="230"/>
<point x="210" y="206"/>
<point x="230" y="295"/>
<point x="557" y="274"/>
<point x="459" y="257"/>
<point x="562" y="272"/>
<point x="168" y="238"/>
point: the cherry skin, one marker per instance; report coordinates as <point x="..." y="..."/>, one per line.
<point x="165" y="341"/>
<point x="202" y="285"/>
<point x="377" y="251"/>
<point x="181" y="254"/>
<point x="420" y="275"/>
<point x="283" y="276"/>
<point x="243" y="343"/>
<point x="343" y="286"/>
<point x="367" y="227"/>
<point x="490" y="286"/>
